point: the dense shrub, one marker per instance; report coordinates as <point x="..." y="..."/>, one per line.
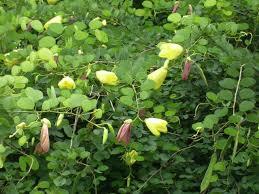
<point x="59" y="118"/>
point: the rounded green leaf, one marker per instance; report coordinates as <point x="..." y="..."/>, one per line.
<point x="101" y="36"/>
<point x="37" y="25"/>
<point x="174" y="17"/>
<point x="210" y="3"/>
<point x="47" y="41"/>
<point x="27" y="66"/>
<point x="25" y="103"/>
<point x="246" y="106"/>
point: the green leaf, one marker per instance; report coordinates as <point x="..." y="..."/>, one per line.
<point x="75" y="100"/>
<point x="55" y="29"/>
<point x="27" y="66"/>
<point x="211" y="96"/>
<point x="228" y="83"/>
<point x="45" y="54"/>
<point x="235" y="118"/>
<point x="247" y="82"/>
<point x="34" y="95"/>
<point x="2" y="148"/>
<point x="22" y="140"/>
<point x="140" y="12"/>
<point x="43" y="184"/>
<point x="127" y="91"/>
<point x="101" y="36"/>
<point x="147" y="4"/>
<point x="221" y="112"/>
<point x="225" y="95"/>
<point x="47" y="42"/>
<point x="80" y="35"/>
<point x="37" y="25"/>
<point x="198" y="126"/>
<point x="88" y="105"/>
<point x="210" y="121"/>
<point x="174" y="17"/>
<point x="95" y="24"/>
<point x="246" y="93"/>
<point x="25" y="103"/>
<point x="210" y="3"/>
<point x="246" y="106"/>
<point x="50" y="103"/>
<point x="207" y="177"/>
<point x="230" y="131"/>
<point x="127" y="100"/>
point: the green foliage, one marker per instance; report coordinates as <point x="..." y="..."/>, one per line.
<point x="212" y="140"/>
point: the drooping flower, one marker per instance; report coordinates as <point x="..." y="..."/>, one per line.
<point x="124" y="132"/>
<point x="156" y="126"/>
<point x="43" y="146"/>
<point x="158" y="76"/>
<point x="107" y="77"/>
<point x="55" y="20"/>
<point x="170" y="50"/>
<point x="187" y="69"/>
<point x="67" y="83"/>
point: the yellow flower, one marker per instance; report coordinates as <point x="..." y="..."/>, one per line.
<point x="158" y="76"/>
<point x="67" y="83"/>
<point x="170" y="50"/>
<point x="156" y="125"/>
<point x="55" y="20"/>
<point x="107" y="77"/>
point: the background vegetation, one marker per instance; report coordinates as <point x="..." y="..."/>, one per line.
<point x="212" y="140"/>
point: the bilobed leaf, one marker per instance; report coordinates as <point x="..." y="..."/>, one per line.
<point x="228" y="83"/>
<point x="207" y="177"/>
<point x="210" y="3"/>
<point x="47" y="42"/>
<point x="174" y="17"/>
<point x="34" y="95"/>
<point x="127" y="100"/>
<point x="147" y="4"/>
<point x="75" y="100"/>
<point x="88" y="104"/>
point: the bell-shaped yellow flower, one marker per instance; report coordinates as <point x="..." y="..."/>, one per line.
<point x="67" y="83"/>
<point x="55" y="20"/>
<point x="158" y="76"/>
<point x="156" y="126"/>
<point x="170" y="50"/>
<point x="107" y="77"/>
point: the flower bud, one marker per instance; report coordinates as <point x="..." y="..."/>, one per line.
<point x="105" y="135"/>
<point x="43" y="146"/>
<point x="156" y="125"/>
<point x="67" y="83"/>
<point x="55" y="20"/>
<point x="170" y="50"/>
<point x="176" y="6"/>
<point x="60" y="119"/>
<point x="22" y="125"/>
<point x="107" y="77"/>
<point x="124" y="132"/>
<point x="104" y="23"/>
<point x="158" y="76"/>
<point x="187" y="69"/>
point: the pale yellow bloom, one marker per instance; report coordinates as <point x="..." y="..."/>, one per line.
<point x="170" y="50"/>
<point x="156" y="126"/>
<point x="55" y="20"/>
<point x="104" y="23"/>
<point x="67" y="83"/>
<point x="158" y="76"/>
<point x="107" y="77"/>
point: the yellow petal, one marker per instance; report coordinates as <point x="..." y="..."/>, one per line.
<point x="156" y="125"/>
<point x="67" y="83"/>
<point x="107" y="77"/>
<point x="170" y="50"/>
<point x="55" y="20"/>
<point x="158" y="76"/>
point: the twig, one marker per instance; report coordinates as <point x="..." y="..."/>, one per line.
<point x="164" y="165"/>
<point x="237" y="88"/>
<point x="74" y="126"/>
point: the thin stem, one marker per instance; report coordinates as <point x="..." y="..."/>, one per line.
<point x="237" y="88"/>
<point x="74" y="126"/>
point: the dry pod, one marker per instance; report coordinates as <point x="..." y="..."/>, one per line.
<point x="43" y="146"/>
<point x="124" y="132"/>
